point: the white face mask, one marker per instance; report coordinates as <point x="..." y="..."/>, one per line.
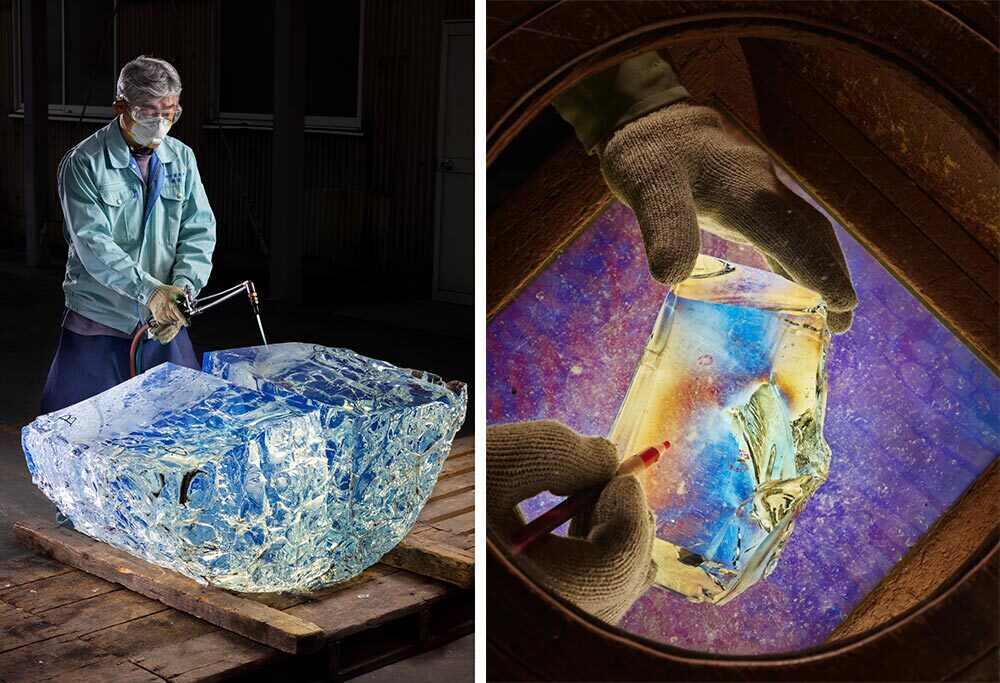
<point x="149" y="132"/>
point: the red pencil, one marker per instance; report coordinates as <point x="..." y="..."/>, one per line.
<point x="569" y="508"/>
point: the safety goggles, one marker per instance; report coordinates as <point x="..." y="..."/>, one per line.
<point x="142" y="113"/>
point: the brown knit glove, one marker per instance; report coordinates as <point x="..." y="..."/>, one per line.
<point x="165" y="332"/>
<point x="162" y="305"/>
<point x="677" y="164"/>
<point x="609" y="565"/>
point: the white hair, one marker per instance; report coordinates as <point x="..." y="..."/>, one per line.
<point x="145" y="80"/>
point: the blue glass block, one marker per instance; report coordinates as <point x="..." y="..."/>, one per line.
<point x="388" y="430"/>
<point x="221" y="483"/>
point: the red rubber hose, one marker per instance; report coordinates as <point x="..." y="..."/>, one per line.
<point x="135" y="347"/>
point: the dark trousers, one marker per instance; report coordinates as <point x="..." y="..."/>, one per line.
<point x="85" y="366"/>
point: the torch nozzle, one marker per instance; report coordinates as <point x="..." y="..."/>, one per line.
<point x="252" y="295"/>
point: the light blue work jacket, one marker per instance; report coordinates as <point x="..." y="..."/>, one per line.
<point x="124" y="239"/>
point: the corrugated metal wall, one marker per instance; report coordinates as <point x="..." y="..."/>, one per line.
<point x="369" y="198"/>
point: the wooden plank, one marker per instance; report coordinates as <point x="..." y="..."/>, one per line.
<point x="84" y="616"/>
<point x="362" y="608"/>
<point x="181" y="648"/>
<point x="430" y="551"/>
<point x="439" y="623"/>
<point x="920" y="138"/>
<point x="207" y="656"/>
<point x="29" y="568"/>
<point x="428" y="532"/>
<point x="109" y="670"/>
<point x="446" y="507"/>
<point x="283" y="601"/>
<point x="361" y="653"/>
<point x="450" y="486"/>
<point x="58" y="590"/>
<point x="434" y="556"/>
<point x="59" y="658"/>
<point x="19" y="628"/>
<point x="457" y="540"/>
<point x="931" y="222"/>
<point x="466" y="444"/>
<point x="461" y="524"/>
<point x="457" y="465"/>
<point x="468" y="541"/>
<point x="543" y="215"/>
<point x="178" y="646"/>
<point x="137" y="638"/>
<point x="246" y="617"/>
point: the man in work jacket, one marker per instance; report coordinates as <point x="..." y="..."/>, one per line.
<point x="141" y="235"/>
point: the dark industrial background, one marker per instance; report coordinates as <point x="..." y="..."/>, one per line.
<point x="368" y="194"/>
<point x="358" y="233"/>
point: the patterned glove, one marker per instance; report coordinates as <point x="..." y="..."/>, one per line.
<point x="677" y="164"/>
<point x="602" y="568"/>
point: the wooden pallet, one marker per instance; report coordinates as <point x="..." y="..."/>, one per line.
<point x="441" y="544"/>
<point x="56" y="619"/>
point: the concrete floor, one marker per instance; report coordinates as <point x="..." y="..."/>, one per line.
<point x="453" y="662"/>
<point x="419" y="334"/>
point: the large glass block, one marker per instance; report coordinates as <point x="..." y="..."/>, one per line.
<point x="734" y="377"/>
<point x="388" y="430"/>
<point x="218" y="482"/>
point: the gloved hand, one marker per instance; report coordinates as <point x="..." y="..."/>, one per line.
<point x="604" y="567"/>
<point x="162" y="304"/>
<point x="677" y="163"/>
<point x="165" y="332"/>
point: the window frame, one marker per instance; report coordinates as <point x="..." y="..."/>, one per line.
<point x="63" y="111"/>
<point x="342" y="125"/>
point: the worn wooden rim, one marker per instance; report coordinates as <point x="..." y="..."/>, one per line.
<point x="518" y="95"/>
<point x="909" y="647"/>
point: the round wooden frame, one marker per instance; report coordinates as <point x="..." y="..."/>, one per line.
<point x="537" y="51"/>
<point x="549" y="51"/>
<point x="532" y="635"/>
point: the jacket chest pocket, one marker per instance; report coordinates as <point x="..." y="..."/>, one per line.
<point x="123" y="207"/>
<point x="172" y="206"/>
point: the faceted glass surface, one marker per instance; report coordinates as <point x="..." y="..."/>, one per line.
<point x="734" y="377"/>
<point x="302" y="471"/>
<point x="223" y="484"/>
<point x="387" y="432"/>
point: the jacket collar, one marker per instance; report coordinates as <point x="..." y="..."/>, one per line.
<point x="118" y="151"/>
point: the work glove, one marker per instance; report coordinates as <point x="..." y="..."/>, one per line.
<point x="677" y="163"/>
<point x="163" y="304"/>
<point x="165" y="332"/>
<point x="606" y="563"/>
